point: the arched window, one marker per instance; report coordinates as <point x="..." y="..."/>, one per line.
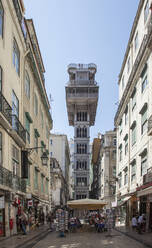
<point x="27" y="84"/>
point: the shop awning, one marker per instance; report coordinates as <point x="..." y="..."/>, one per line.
<point x="144" y="191"/>
<point x="87" y="204"/>
<point x="123" y="201"/>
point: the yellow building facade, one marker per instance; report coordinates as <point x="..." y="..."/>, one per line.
<point x="25" y="121"/>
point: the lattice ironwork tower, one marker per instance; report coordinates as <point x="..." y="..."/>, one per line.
<point x="81" y="99"/>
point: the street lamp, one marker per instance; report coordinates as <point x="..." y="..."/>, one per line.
<point x="44" y="157"/>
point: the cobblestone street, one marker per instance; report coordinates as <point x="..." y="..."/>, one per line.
<point x="48" y="239"/>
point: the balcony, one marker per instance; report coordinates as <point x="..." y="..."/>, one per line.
<point x="18" y="131"/>
<point x="150" y="126"/>
<point x="82" y="82"/>
<point x="14" y="182"/>
<point x="5" y="112"/>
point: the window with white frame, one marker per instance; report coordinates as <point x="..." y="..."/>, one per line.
<point x="120" y="127"/>
<point x="126" y="115"/>
<point x="133" y="171"/>
<point x="128" y="65"/>
<point x="27" y="127"/>
<point x="1" y="19"/>
<point x="143" y="113"/>
<point x="125" y="176"/>
<point x="136" y="42"/>
<point x="143" y="164"/>
<point x="146" y="11"/>
<point x="144" y="83"/>
<point x="133" y="99"/>
<point x="27" y="85"/>
<point x="120" y="152"/>
<point x="133" y="136"/>
<point x="15" y="161"/>
<point x="16" y="57"/>
<point x="114" y="141"/>
<point x="120" y="180"/>
<point x="126" y="144"/>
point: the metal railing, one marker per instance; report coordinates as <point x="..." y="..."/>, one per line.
<point x="82" y="82"/>
<point x="5" y="108"/>
<point x="17" y="126"/>
<point x="14" y="182"/>
<point x="82" y="66"/>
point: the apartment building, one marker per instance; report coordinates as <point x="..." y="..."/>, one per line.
<point x="25" y="120"/>
<point x="108" y="168"/>
<point x="81" y="100"/>
<point x="59" y="150"/>
<point x="133" y="120"/>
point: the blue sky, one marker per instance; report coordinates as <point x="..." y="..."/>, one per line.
<point x="82" y="31"/>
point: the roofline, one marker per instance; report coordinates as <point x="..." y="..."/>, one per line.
<point x="131" y="37"/>
<point x="31" y="20"/>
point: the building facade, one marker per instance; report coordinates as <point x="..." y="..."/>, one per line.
<point x="108" y="168"/>
<point x="81" y="100"/>
<point x="133" y="120"/>
<point x="59" y="149"/>
<point x="23" y="179"/>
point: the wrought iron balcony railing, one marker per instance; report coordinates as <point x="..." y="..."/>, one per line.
<point x="20" y="17"/>
<point x="14" y="182"/>
<point x="5" y="108"/>
<point x="17" y="126"/>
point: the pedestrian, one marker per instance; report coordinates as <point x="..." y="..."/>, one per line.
<point x="134" y="222"/>
<point x="23" y="221"/>
<point x="140" y="223"/>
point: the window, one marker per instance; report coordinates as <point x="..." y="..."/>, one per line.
<point x="122" y="82"/>
<point x="133" y="99"/>
<point x="42" y="183"/>
<point x="143" y="164"/>
<point x="29" y="174"/>
<point x="51" y="154"/>
<point x="133" y="171"/>
<point x="144" y="84"/>
<point x="81" y="165"/>
<point x="120" y="180"/>
<point x="136" y="41"/>
<point x="1" y="78"/>
<point x="114" y="171"/>
<point x="27" y="84"/>
<point x="35" y="105"/>
<point x="114" y="154"/>
<point x="133" y="133"/>
<point x="81" y="132"/>
<point x="1" y="19"/>
<point x="125" y="177"/>
<point x="51" y="141"/>
<point x="47" y="132"/>
<point x="81" y="181"/>
<point x="143" y="113"/>
<point x="126" y="115"/>
<point x="36" y="179"/>
<point x="15" y="104"/>
<point x="27" y="127"/>
<point x="146" y="11"/>
<point x="126" y="144"/>
<point x="128" y="65"/>
<point x="120" y="127"/>
<point x="120" y="152"/>
<point x="81" y="116"/>
<point x="15" y="112"/>
<point x="114" y="141"/>
<point x="15" y="161"/>
<point x="1" y="149"/>
<point x="16" y="57"/>
<point x="81" y="148"/>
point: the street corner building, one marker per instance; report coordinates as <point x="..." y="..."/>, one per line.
<point x="81" y="99"/>
<point x="133" y="121"/>
<point x="25" y="121"/>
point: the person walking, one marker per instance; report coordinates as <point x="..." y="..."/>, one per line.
<point x="23" y="222"/>
<point x="134" y="222"/>
<point x="140" y="223"/>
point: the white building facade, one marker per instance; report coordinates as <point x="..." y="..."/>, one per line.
<point x="133" y="119"/>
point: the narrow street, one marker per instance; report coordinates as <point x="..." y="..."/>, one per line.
<point x="81" y="240"/>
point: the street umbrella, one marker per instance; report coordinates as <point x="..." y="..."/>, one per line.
<point x="87" y="204"/>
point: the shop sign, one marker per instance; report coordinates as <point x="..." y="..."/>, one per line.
<point x="2" y="203"/>
<point x="114" y="204"/>
<point x="30" y="203"/>
<point x="28" y="196"/>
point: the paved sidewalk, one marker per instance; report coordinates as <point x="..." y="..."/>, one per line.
<point x="17" y="240"/>
<point x="144" y="238"/>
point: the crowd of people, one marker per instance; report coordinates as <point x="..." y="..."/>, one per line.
<point x="139" y="223"/>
